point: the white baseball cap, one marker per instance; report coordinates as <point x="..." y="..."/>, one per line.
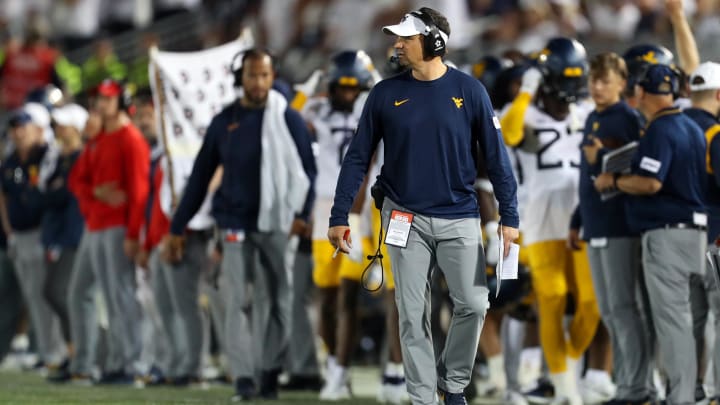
<point x="70" y="115"/>
<point x="705" y="77"/>
<point x="411" y="25"/>
<point x="38" y="113"/>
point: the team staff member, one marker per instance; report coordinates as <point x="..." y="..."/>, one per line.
<point x="705" y="98"/>
<point x="62" y="222"/>
<point x="264" y="148"/>
<point x="22" y="212"/>
<point x="613" y="249"/>
<point x="82" y="289"/>
<point x="430" y="118"/>
<point x="115" y="184"/>
<point x="666" y="190"/>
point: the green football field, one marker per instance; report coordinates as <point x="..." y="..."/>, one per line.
<point x="31" y="389"/>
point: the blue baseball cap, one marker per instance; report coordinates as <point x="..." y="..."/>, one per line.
<point x="19" y="118"/>
<point x="659" y="79"/>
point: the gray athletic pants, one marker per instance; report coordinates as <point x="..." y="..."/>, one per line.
<point x="303" y="354"/>
<point x="29" y="261"/>
<point x="699" y="309"/>
<point x="82" y="311"/>
<point x="455" y="247"/>
<point x="616" y="275"/>
<point x="181" y="313"/>
<point x="260" y="257"/>
<point x="669" y="256"/>
<point x="10" y="302"/>
<point x="57" y="285"/>
<point x="115" y="273"/>
<point x="157" y="346"/>
<point x="218" y="295"/>
<point x="713" y="296"/>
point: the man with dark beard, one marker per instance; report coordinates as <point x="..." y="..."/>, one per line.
<point x="266" y="193"/>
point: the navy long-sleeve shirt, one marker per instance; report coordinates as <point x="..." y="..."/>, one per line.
<point x="430" y="130"/>
<point x="615" y="126"/>
<point x="23" y="198"/>
<point x="711" y="127"/>
<point x="233" y="140"/>
<point x="62" y="224"/>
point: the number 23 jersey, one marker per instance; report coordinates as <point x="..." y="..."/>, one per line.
<point x="549" y="159"/>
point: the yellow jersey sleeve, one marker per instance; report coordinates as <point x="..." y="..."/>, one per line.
<point x="298" y="102"/>
<point x="513" y="121"/>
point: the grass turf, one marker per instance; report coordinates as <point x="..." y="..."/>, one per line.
<point x="30" y="389"/>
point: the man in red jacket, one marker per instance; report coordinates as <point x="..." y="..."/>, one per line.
<point x="114" y="184"/>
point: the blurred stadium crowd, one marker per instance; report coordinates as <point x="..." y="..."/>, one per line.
<point x="97" y="38"/>
<point x="58" y="55"/>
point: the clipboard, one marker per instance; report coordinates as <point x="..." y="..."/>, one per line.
<point x="618" y="161"/>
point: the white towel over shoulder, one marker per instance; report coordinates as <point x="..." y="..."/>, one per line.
<point x="283" y="182"/>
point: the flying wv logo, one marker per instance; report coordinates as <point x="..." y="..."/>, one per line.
<point x="458" y="102"/>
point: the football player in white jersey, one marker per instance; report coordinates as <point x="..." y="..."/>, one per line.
<point x="333" y="120"/>
<point x="547" y="133"/>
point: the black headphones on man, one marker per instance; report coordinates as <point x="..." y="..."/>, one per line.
<point x="433" y="41"/>
<point x="237" y="71"/>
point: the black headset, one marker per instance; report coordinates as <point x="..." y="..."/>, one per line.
<point x="237" y="71"/>
<point x="125" y="100"/>
<point x="433" y="42"/>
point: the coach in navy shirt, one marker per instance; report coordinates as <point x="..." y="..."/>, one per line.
<point x="22" y="216"/>
<point x="614" y="248"/>
<point x="667" y="190"/>
<point x="430" y="118"/>
<point x="247" y="139"/>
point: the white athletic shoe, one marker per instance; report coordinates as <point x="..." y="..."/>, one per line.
<point x="512" y="397"/>
<point x="566" y="390"/>
<point x="393" y="394"/>
<point x="596" y="391"/>
<point x="335" y="389"/>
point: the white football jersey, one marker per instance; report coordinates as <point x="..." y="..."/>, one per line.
<point x="549" y="165"/>
<point x="333" y="132"/>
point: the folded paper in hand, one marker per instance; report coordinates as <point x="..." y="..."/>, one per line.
<point x="507" y="267"/>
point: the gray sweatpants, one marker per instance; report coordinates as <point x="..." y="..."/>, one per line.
<point x="157" y="350"/>
<point x="303" y="354"/>
<point x="713" y="296"/>
<point x="115" y="273"/>
<point x="29" y="260"/>
<point x="455" y="247"/>
<point x="616" y="274"/>
<point x="669" y="256"/>
<point x="260" y="257"/>
<point x="218" y="295"/>
<point x="57" y="284"/>
<point x="10" y="302"/>
<point x="81" y="310"/>
<point x="183" y="287"/>
<point x="699" y="309"/>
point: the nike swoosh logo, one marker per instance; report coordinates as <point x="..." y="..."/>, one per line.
<point x="397" y="103"/>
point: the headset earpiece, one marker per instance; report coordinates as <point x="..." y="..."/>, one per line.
<point x="433" y="42"/>
<point x="238" y="71"/>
